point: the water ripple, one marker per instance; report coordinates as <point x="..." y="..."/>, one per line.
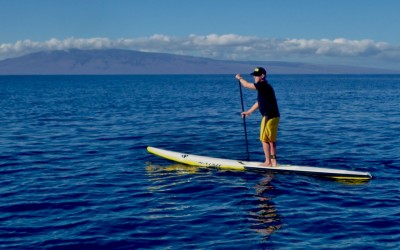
<point x="75" y="173"/>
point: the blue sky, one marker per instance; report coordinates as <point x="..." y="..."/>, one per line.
<point x="346" y="32"/>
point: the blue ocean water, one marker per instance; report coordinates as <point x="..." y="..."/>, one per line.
<point x="75" y="174"/>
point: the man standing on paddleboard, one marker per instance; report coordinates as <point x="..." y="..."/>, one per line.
<point x="268" y="106"/>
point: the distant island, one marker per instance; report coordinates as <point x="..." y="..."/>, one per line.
<point x="124" y="62"/>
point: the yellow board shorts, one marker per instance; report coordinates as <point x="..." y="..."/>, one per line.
<point x="269" y="129"/>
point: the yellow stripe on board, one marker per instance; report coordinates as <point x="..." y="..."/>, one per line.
<point x="177" y="157"/>
<point x="350" y="178"/>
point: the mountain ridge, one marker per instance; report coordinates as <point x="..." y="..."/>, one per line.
<point x="118" y="61"/>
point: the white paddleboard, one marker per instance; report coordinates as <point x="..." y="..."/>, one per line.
<point x="205" y="161"/>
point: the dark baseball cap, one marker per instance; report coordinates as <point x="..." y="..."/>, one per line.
<point x="259" y="71"/>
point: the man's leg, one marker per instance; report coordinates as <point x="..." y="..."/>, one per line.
<point x="267" y="150"/>
<point x="272" y="148"/>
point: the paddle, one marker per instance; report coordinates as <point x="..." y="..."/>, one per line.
<point x="244" y="122"/>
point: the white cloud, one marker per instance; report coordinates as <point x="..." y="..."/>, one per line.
<point x="336" y="47"/>
<point x="228" y="46"/>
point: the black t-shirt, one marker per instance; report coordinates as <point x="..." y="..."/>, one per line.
<point x="267" y="103"/>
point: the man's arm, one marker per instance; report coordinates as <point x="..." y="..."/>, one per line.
<point x="245" y="83"/>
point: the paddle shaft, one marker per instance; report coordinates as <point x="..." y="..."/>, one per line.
<point x="244" y="122"/>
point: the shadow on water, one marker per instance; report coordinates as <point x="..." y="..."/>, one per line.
<point x="265" y="217"/>
<point x="258" y="208"/>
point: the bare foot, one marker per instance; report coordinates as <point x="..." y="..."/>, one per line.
<point x="266" y="164"/>
<point x="274" y="163"/>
